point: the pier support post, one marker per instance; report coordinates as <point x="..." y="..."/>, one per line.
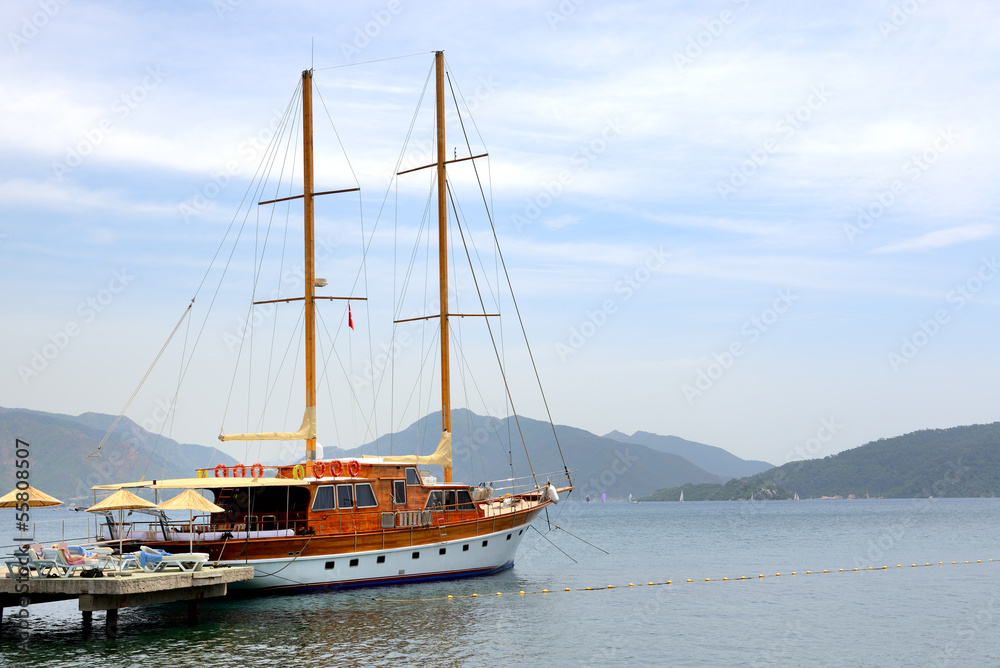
<point x="193" y="611"/>
<point x="111" y="623"/>
<point x="88" y="623"/>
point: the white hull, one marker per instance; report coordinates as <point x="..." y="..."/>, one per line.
<point x="444" y="560"/>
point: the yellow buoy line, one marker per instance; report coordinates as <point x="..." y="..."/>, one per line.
<point x="759" y="576"/>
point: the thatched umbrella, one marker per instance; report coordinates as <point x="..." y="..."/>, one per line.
<point x="191" y="501"/>
<point x="36" y="499"/>
<point x="121" y="501"/>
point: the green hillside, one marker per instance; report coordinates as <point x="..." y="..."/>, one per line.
<point x="734" y="490"/>
<point x="956" y="462"/>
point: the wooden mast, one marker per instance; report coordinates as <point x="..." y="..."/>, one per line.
<point x="310" y="260"/>
<point x="443" y="253"/>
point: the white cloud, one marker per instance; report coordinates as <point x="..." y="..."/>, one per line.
<point x="940" y="239"/>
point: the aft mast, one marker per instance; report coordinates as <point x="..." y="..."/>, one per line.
<point x="443" y="256"/>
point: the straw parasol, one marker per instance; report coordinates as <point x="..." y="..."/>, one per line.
<point x="121" y="501"/>
<point x="36" y="499"/>
<point x="191" y="501"/>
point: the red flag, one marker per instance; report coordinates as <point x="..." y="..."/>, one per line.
<point x="350" y="319"/>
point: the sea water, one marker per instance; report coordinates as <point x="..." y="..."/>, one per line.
<point x="907" y="614"/>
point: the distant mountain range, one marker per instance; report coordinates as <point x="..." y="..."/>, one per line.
<point x="484" y="449"/>
<point x="61" y="445"/>
<point x="718" y="461"/>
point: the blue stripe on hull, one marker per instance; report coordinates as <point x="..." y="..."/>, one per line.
<point x="375" y="582"/>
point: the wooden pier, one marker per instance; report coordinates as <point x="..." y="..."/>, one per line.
<point x="113" y="592"/>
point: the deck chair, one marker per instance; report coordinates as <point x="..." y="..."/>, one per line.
<point x="153" y="560"/>
<point x="66" y="563"/>
<point x="32" y="561"/>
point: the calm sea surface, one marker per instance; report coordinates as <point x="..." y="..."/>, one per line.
<point x="942" y="615"/>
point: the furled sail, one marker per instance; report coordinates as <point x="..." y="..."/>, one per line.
<point x="440" y="457"/>
<point x="307" y="430"/>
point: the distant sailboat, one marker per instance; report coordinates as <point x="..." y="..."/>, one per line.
<point x="682" y="496"/>
<point x="796" y="496"/>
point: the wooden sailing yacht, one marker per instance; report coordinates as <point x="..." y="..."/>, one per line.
<point x="350" y="522"/>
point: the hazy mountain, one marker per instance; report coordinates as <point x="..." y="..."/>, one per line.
<point x="708" y="457"/>
<point x="60" y="446"/>
<point x="483" y="449"/>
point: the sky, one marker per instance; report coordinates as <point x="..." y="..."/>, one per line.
<point x="765" y="226"/>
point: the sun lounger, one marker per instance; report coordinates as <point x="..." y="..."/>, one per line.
<point x="32" y="561"/>
<point x="152" y="560"/>
<point x="65" y="563"/>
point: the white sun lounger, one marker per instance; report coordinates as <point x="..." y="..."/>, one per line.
<point x="152" y="560"/>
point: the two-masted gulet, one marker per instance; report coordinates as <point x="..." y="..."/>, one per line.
<point x="351" y="522"/>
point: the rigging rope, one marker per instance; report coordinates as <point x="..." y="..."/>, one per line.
<point x="512" y="297"/>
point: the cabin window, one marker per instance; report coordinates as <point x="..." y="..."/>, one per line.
<point x="465" y="500"/>
<point x="465" y="548"/>
<point x="399" y="492"/>
<point x="365" y="496"/>
<point x="434" y="500"/>
<point x="345" y="496"/>
<point x="411" y="477"/>
<point x="324" y="498"/>
<point x="353" y="564"/>
<point x="380" y="559"/>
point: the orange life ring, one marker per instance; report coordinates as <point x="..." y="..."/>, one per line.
<point x="319" y="469"/>
<point x="225" y="471"/>
<point x="336" y="468"/>
<point x="243" y="471"/>
<point x="256" y="471"/>
<point x="354" y="468"/>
